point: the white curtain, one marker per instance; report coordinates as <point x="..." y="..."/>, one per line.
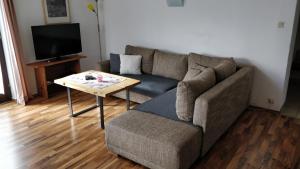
<point x="10" y="57"/>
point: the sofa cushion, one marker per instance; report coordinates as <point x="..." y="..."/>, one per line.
<point x="115" y="63"/>
<point x="147" y="54"/>
<point x="169" y="65"/>
<point x="163" y="105"/>
<point x="224" y="67"/>
<point x="154" y="141"/>
<point x="189" y="90"/>
<point x="152" y="85"/>
<point x="130" y="64"/>
<point x="194" y="73"/>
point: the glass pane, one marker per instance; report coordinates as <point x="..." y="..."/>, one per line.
<point x="1" y="82"/>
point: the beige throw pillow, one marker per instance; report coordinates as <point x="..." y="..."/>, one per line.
<point x="224" y="67"/>
<point x="194" y="73"/>
<point x="196" y="82"/>
<point x="130" y="64"/>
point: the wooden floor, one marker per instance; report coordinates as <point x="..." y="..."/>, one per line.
<point x="44" y="136"/>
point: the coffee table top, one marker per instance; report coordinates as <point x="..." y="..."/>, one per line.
<point x="123" y="84"/>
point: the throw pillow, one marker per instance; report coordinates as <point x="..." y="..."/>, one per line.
<point x="146" y="53"/>
<point x="219" y="64"/>
<point x="169" y="65"/>
<point x="130" y="64"/>
<point x="189" y="90"/>
<point x="225" y="69"/>
<point x="194" y="72"/>
<point x="114" y="63"/>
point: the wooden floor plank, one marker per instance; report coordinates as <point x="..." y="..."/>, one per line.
<point x="43" y="135"/>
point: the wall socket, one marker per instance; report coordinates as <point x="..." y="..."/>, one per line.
<point x="281" y="24"/>
<point x="270" y="101"/>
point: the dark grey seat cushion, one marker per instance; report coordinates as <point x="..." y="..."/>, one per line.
<point x="163" y="105"/>
<point x="152" y="85"/>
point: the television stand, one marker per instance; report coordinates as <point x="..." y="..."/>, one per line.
<point x="59" y="58"/>
<point x="55" y="59"/>
<point x="47" y="71"/>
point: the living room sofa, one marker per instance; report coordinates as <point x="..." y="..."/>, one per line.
<point x="152" y="134"/>
<point x="151" y="85"/>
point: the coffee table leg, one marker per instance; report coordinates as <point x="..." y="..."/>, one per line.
<point x="100" y="104"/>
<point x="128" y="99"/>
<point x="97" y="101"/>
<point x="70" y="104"/>
<point x="70" y="101"/>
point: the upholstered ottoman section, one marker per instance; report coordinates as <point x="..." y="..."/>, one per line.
<point x="154" y="141"/>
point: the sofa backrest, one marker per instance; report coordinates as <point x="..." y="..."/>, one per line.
<point x="169" y="65"/>
<point x="175" y="66"/>
<point x="147" y="56"/>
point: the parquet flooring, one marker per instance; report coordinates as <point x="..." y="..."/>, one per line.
<point x="42" y="135"/>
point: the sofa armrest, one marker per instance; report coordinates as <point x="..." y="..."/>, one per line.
<point x="218" y="108"/>
<point x="105" y="66"/>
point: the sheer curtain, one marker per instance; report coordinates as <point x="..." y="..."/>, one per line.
<point x="13" y="51"/>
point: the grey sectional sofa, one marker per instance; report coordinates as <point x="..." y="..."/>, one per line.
<point x="153" y="135"/>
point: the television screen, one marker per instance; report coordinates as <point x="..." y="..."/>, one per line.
<point x="52" y="41"/>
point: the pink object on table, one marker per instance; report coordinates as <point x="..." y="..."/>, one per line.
<point x="100" y="78"/>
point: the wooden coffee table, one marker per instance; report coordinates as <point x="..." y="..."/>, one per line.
<point x="100" y="93"/>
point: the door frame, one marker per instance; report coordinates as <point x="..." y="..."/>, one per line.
<point x="296" y="24"/>
<point x="7" y="92"/>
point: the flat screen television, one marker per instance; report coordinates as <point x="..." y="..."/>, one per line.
<point x="55" y="41"/>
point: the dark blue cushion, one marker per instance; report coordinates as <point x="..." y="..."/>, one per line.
<point x="163" y="105"/>
<point x="152" y="85"/>
<point x="115" y="63"/>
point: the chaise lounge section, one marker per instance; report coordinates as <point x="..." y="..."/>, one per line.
<point x="154" y="141"/>
<point x="154" y="136"/>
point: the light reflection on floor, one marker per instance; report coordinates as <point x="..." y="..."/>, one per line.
<point x="8" y="152"/>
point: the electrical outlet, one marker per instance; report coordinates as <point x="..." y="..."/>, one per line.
<point x="281" y="24"/>
<point x="270" y="101"/>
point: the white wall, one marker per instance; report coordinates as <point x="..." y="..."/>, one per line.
<point x="30" y="13"/>
<point x="244" y="29"/>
